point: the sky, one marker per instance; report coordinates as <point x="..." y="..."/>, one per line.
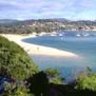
<point x="42" y="9"/>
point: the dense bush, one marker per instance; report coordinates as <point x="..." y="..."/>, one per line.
<point x="54" y="76"/>
<point x="86" y="82"/>
<point x="13" y="89"/>
<point x="15" y="60"/>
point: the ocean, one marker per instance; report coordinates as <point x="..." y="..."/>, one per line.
<point x="81" y="43"/>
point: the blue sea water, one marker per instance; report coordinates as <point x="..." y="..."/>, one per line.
<point x="81" y="43"/>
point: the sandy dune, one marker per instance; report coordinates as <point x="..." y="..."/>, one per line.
<point x="33" y="49"/>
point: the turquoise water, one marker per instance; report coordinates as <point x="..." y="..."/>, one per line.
<point x="83" y="46"/>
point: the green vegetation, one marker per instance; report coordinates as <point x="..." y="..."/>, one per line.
<point x="87" y="81"/>
<point x="15" y="64"/>
<point x="15" y="60"/>
<point x="15" y="90"/>
<point x="54" y="76"/>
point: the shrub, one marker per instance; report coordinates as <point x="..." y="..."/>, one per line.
<point x="87" y="81"/>
<point x="13" y="89"/>
<point x="15" y="60"/>
<point x="54" y="76"/>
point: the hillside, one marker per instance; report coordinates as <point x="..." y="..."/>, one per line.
<point x="7" y="21"/>
<point x="45" y="25"/>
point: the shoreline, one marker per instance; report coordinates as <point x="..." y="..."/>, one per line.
<point x="33" y="49"/>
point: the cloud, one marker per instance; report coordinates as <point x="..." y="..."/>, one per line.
<point x="25" y="9"/>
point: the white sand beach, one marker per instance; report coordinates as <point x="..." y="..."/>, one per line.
<point x="33" y="49"/>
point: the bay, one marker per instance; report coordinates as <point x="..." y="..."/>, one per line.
<point x="81" y="43"/>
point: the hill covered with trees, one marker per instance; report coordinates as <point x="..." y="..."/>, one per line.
<point x="45" y="25"/>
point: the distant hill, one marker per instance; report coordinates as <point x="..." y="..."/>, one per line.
<point x="4" y="21"/>
<point x="45" y="25"/>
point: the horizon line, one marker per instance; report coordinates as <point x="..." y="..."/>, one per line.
<point x="47" y="18"/>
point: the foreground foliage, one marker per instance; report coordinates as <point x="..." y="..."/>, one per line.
<point x="15" y="67"/>
<point x="54" y="76"/>
<point x="87" y="82"/>
<point x="15" y="60"/>
<point x="15" y="90"/>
